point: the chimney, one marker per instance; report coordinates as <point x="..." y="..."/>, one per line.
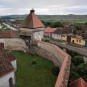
<point x="32" y="11"/>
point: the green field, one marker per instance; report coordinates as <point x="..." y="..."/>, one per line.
<point x="33" y="75"/>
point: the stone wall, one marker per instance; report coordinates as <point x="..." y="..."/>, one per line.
<point x="14" y="44"/>
<point x="45" y="54"/>
<point x="58" y="57"/>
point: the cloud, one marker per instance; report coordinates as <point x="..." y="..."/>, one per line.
<point x="51" y="7"/>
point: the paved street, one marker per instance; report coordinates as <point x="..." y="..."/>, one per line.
<point x="82" y="50"/>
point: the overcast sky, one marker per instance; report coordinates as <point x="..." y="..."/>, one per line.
<point x="50" y="7"/>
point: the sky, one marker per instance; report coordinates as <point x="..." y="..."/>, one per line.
<point x="43" y="7"/>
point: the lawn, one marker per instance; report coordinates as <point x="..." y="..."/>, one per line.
<point x="38" y="74"/>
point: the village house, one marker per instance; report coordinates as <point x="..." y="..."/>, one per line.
<point x="80" y="39"/>
<point x="32" y="28"/>
<point x="7" y="68"/>
<point x="61" y="33"/>
<point x="78" y="83"/>
<point x="48" y="31"/>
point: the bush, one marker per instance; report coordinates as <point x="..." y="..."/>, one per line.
<point x="46" y="39"/>
<point x="82" y="69"/>
<point x="73" y="75"/>
<point x="77" y="60"/>
<point x="34" y="62"/>
<point x="55" y="70"/>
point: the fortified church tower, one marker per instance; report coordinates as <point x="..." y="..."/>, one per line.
<point x="32" y="28"/>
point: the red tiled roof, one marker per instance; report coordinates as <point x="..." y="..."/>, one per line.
<point x="63" y="31"/>
<point x="7" y="34"/>
<point x="78" y="83"/>
<point x="5" y="62"/>
<point x="50" y="30"/>
<point x="5" y="68"/>
<point x="32" y="21"/>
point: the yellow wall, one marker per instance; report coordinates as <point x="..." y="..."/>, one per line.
<point x="78" y="41"/>
<point x="64" y="38"/>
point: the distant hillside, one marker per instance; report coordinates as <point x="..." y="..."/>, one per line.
<point x="70" y="17"/>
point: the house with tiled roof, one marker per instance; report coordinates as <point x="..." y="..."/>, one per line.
<point x="7" y="68"/>
<point x="32" y="27"/>
<point x="78" y="83"/>
<point x="61" y="33"/>
<point x="48" y="31"/>
<point x="80" y="39"/>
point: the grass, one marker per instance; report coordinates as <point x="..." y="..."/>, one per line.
<point x="37" y="75"/>
<point x="75" y="45"/>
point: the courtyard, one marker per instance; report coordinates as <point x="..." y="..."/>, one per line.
<point x="33" y="71"/>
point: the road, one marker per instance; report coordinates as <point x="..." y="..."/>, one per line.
<point x="82" y="50"/>
<point x="9" y="26"/>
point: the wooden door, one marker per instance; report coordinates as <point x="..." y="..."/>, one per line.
<point x="10" y="82"/>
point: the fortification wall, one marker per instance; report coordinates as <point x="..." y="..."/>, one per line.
<point x="47" y="50"/>
<point x="14" y="44"/>
<point x="58" y="57"/>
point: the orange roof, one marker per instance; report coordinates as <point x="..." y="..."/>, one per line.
<point x="32" y="21"/>
<point x="50" y="30"/>
<point x="78" y="83"/>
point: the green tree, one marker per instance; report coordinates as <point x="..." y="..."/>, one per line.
<point x="82" y="69"/>
<point x="57" y="24"/>
<point x="77" y="60"/>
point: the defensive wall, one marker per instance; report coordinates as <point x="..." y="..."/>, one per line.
<point x="57" y="56"/>
<point x="46" y="50"/>
<point x="14" y="44"/>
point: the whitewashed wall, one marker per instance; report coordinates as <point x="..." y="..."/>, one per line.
<point x="14" y="64"/>
<point x="56" y="36"/>
<point x="38" y="35"/>
<point x="4" y="81"/>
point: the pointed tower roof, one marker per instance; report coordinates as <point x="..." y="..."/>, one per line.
<point x="32" y="21"/>
<point x="78" y="83"/>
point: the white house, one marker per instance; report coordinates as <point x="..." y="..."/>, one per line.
<point x="7" y="69"/>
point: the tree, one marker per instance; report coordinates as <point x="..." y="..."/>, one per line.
<point x="77" y="60"/>
<point x="57" y="24"/>
<point x="82" y="69"/>
<point x="73" y="75"/>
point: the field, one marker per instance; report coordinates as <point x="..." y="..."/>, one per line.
<point x="33" y="71"/>
<point x="63" y="18"/>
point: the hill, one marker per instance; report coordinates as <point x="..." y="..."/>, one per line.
<point x="70" y="17"/>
